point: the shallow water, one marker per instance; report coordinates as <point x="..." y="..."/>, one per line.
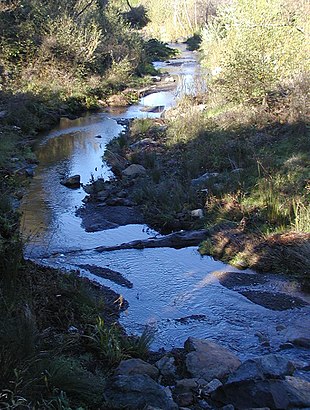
<point x="177" y="292"/>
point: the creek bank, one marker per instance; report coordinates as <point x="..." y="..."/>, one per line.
<point x="170" y="201"/>
<point x="204" y="375"/>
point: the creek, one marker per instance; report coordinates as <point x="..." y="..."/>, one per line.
<point x="178" y="292"/>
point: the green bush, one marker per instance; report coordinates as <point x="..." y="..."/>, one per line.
<point x="255" y="48"/>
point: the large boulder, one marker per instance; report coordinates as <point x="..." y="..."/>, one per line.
<point x="134" y="170"/>
<point x="136" y="366"/>
<point x="73" y="181"/>
<point x="291" y="392"/>
<point x="208" y="360"/>
<point x="269" y="366"/>
<point x="137" y="392"/>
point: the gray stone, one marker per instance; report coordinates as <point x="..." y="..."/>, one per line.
<point x="72" y="182"/>
<point x="95" y="187"/>
<point x="208" y="360"/>
<point x="203" y="178"/>
<point x="269" y="366"/>
<point x="211" y="387"/>
<point x="275" y="394"/>
<point x="136" y="366"/>
<point x="197" y="213"/>
<point x="134" y="170"/>
<point x="166" y="366"/>
<point x="137" y="392"/>
<point x="186" y="385"/>
<point x="302" y="342"/>
<point x="184" y="399"/>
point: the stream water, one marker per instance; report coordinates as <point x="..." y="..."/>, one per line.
<point x="178" y="292"/>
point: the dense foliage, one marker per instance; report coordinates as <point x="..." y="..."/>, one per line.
<point x="256" y="49"/>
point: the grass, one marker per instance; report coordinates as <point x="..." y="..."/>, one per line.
<point x="258" y="184"/>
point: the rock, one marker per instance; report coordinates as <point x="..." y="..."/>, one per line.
<point x="72" y="182"/>
<point x="134" y="171"/>
<point x="73" y="329"/>
<point x="3" y="114"/>
<point x="155" y="78"/>
<point x="137" y="392"/>
<point x="184" y="399"/>
<point x="120" y="202"/>
<point x="136" y="366"/>
<point x="301" y="342"/>
<point x="260" y="368"/>
<point x="98" y="136"/>
<point x="29" y="171"/>
<point x="95" y="187"/>
<point x="228" y="407"/>
<point x="177" y="240"/>
<point x="186" y="385"/>
<point x="203" y="178"/>
<point x="166" y="366"/>
<point x="117" y="100"/>
<point x="211" y="387"/>
<point x="197" y="213"/>
<point x="286" y="346"/>
<point x="209" y="360"/>
<point x="156" y="108"/>
<point x="274" y="393"/>
<point x="169" y="79"/>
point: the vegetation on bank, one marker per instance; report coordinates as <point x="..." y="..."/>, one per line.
<point x="58" y="338"/>
<point x="248" y="136"/>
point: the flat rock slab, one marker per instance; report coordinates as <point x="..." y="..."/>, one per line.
<point x="137" y="392"/>
<point x="109" y="274"/>
<point x="209" y="360"/>
<point x="177" y="240"/>
<point x="291" y="392"/>
<point x="274" y="301"/>
<point x="233" y="280"/>
<point x="99" y="218"/>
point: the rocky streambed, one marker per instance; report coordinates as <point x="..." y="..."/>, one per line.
<point x="168" y="285"/>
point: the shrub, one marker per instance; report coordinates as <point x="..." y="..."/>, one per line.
<point x="253" y="48"/>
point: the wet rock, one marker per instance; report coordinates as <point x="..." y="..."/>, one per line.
<point x="98" y="136"/>
<point x="286" y="346"/>
<point x="73" y="181"/>
<point x="166" y="366"/>
<point x="228" y="407"/>
<point x="136" y="366"/>
<point x="302" y="342"/>
<point x="209" y="360"/>
<point x="98" y="218"/>
<point x="96" y="186"/>
<point x="274" y="301"/>
<point x="175" y="240"/>
<point x="196" y="182"/>
<point x="134" y="171"/>
<point x="137" y="392"/>
<point x="269" y="366"/>
<point x="109" y="274"/>
<point x="274" y="393"/>
<point x="156" y="108"/>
